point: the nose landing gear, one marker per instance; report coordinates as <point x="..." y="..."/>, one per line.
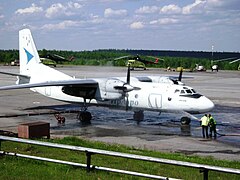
<point x="185" y="120"/>
<point x="84" y="116"/>
<point x="138" y="115"/>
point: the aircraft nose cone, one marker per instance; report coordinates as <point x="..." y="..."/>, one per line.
<point x="206" y="104"/>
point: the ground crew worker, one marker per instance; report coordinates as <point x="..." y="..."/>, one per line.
<point x="212" y="124"/>
<point x="204" y="124"/>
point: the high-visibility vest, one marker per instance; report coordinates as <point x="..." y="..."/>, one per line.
<point x="212" y="121"/>
<point x="204" y="120"/>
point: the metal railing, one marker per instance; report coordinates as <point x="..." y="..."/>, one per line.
<point x="90" y="151"/>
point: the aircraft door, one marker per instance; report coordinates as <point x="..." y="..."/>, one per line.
<point x="155" y="101"/>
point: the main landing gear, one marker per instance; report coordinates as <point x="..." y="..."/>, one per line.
<point x="84" y="116"/>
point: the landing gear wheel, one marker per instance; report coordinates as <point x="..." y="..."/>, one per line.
<point x="84" y="116"/>
<point x="138" y="116"/>
<point x="185" y="120"/>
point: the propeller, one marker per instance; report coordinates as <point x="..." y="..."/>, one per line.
<point x="128" y="74"/>
<point x="122" y="57"/>
<point x="226" y="59"/>
<point x="234" y="61"/>
<point x="138" y="58"/>
<point x="156" y="58"/>
<point x="180" y="75"/>
<point x="126" y="87"/>
<point x="127" y="83"/>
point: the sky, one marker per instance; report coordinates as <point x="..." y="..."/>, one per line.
<point x="184" y="25"/>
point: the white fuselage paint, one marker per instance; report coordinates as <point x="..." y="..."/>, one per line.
<point x="159" y="95"/>
<point x="151" y="96"/>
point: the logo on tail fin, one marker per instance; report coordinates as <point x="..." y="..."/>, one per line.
<point x="29" y="55"/>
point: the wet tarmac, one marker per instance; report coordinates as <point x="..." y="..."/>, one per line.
<point x="162" y="132"/>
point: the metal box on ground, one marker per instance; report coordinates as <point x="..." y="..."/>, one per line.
<point x="34" y="130"/>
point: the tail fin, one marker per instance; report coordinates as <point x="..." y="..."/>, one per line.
<point x="28" y="54"/>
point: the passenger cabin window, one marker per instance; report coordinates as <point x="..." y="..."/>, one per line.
<point x="189" y="91"/>
<point x="182" y="92"/>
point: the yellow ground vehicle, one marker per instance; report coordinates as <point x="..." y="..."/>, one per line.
<point x="135" y="64"/>
<point x="48" y="62"/>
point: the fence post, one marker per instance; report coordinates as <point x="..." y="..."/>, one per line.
<point x="205" y="173"/>
<point x="88" y="154"/>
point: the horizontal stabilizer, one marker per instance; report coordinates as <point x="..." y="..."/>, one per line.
<point x="14" y="74"/>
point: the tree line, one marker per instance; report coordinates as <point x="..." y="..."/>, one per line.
<point x="106" y="57"/>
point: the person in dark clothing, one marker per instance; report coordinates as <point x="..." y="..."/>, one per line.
<point x="212" y="124"/>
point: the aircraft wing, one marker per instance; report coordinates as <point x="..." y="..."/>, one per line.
<point x="76" y="82"/>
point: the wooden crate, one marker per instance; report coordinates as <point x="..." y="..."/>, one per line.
<point x="34" y="130"/>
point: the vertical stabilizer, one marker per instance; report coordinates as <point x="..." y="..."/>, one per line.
<point x="29" y="58"/>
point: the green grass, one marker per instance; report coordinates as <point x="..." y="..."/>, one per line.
<point x="19" y="168"/>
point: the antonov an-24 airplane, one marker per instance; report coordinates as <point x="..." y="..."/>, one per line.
<point x="138" y="94"/>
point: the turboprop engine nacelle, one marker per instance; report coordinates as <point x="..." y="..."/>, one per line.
<point x="112" y="89"/>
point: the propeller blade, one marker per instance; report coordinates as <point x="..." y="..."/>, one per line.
<point x="126" y="102"/>
<point x="123" y="57"/>
<point x="127" y="87"/>
<point x="180" y="75"/>
<point x="234" y="61"/>
<point x="224" y="59"/>
<point x="128" y="74"/>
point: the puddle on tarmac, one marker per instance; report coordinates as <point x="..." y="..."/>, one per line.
<point x="108" y="122"/>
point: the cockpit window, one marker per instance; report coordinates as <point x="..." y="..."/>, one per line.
<point x="191" y="93"/>
<point x="193" y="90"/>
<point x="196" y="95"/>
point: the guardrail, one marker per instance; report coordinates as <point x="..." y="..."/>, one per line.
<point x="90" y="151"/>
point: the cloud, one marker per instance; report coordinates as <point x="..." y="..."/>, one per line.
<point x="55" y="10"/>
<point x="29" y="10"/>
<point x="171" y="9"/>
<point x="61" y="25"/>
<point x="223" y="4"/>
<point x="115" y="13"/>
<point x="95" y="19"/>
<point x="147" y="10"/>
<point x="164" y="21"/>
<point x="1" y="16"/>
<point x="196" y="7"/>
<point x="73" y="5"/>
<point x="137" y="25"/>
<point x="59" y="9"/>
